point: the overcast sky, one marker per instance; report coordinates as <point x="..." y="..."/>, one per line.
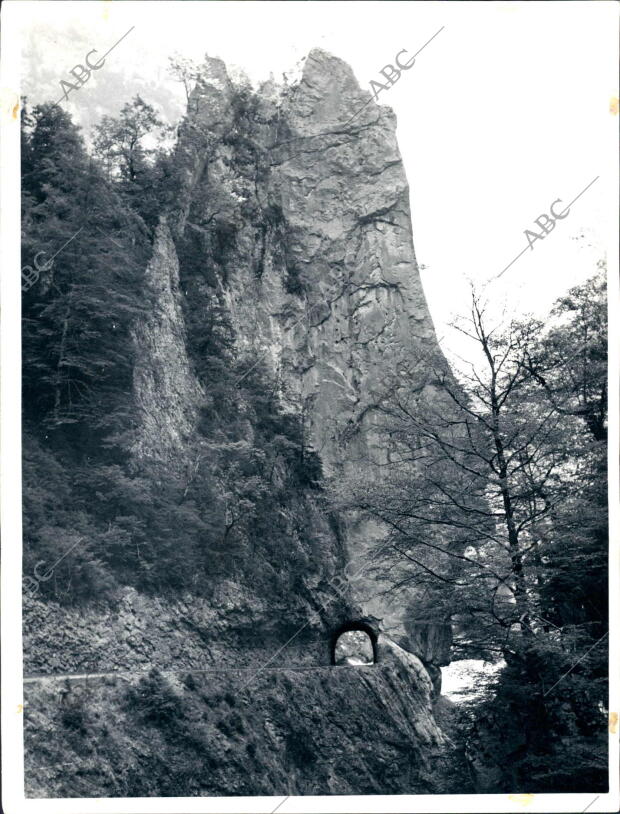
<point x="508" y="109"/>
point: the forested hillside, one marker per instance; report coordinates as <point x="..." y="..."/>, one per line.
<point x="156" y="527"/>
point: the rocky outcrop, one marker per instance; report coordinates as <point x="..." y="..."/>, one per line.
<point x="297" y="204"/>
<point x="292" y="218"/>
<point x="167" y="395"/>
<point x="344" y="196"/>
<point x="137" y="632"/>
<point x="430" y="641"/>
<point x="432" y="644"/>
<point x="330" y="730"/>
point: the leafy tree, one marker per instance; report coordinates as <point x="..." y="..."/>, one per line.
<point x="570" y="363"/>
<point x="121" y="139"/>
<point x="78" y="318"/>
<point x="127" y="147"/>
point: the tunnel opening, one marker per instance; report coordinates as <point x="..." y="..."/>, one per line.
<point x="354" y="644"/>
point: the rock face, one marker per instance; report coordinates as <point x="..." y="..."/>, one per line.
<point x="167" y="394"/>
<point x="299" y="207"/>
<point x="341" y="730"/>
<point x="341" y="184"/>
<point x="322" y="278"/>
<point x="292" y="218"/>
<point x="140" y="632"/>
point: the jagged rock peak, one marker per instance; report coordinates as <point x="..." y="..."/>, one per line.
<point x="330" y="95"/>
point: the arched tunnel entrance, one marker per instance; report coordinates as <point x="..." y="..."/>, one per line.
<point x="354" y="644"/>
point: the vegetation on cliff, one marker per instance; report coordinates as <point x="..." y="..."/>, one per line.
<point x="234" y="507"/>
<point x="497" y="509"/>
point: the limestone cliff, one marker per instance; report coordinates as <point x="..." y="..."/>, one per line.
<point x="167" y="394"/>
<point x="298" y="204"/>
<point x="290" y="224"/>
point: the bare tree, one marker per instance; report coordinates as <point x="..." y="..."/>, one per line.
<point x="185" y="71"/>
<point x="478" y="462"/>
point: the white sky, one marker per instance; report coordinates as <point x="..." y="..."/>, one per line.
<point x="507" y="110"/>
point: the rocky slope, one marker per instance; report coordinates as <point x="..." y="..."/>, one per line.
<point x="274" y="732"/>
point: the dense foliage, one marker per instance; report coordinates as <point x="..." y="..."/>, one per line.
<point x="93" y="519"/>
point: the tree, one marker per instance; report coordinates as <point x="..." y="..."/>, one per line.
<point x="127" y="147"/>
<point x="471" y="465"/>
<point x="494" y="500"/>
<point x="122" y="139"/>
<point x="77" y="319"/>
<point x="571" y="367"/>
<point x="571" y="363"/>
<point x="185" y="71"/>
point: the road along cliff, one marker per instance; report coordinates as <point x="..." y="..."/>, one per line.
<point x="284" y="253"/>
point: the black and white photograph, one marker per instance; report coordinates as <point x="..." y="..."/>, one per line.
<point x="310" y="341"/>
